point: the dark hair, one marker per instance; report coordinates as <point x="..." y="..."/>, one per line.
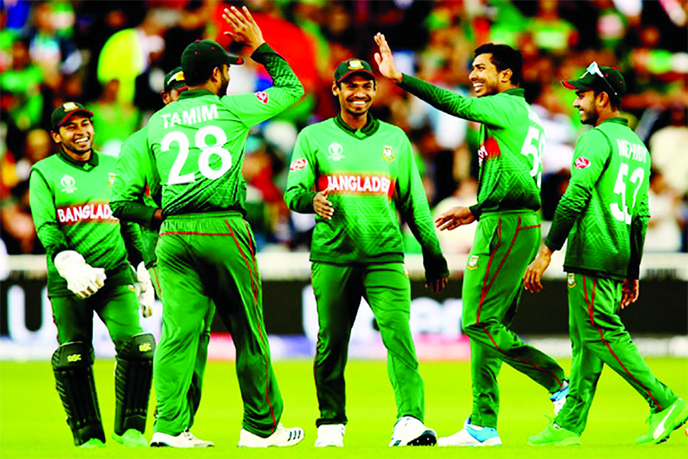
<point x="504" y="57"/>
<point x="614" y="101"/>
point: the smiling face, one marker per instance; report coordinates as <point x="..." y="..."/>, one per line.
<point x="585" y="103"/>
<point x="356" y="94"/>
<point x="75" y="135"/>
<point x="485" y="76"/>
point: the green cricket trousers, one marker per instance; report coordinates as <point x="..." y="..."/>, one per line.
<point x="196" y="389"/>
<point x="505" y="243"/>
<point x="338" y="291"/>
<point x="598" y="336"/>
<point x="212" y="256"/>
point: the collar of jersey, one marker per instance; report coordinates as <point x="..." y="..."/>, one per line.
<point x="195" y="93"/>
<point x="617" y="120"/>
<point x="92" y="162"/>
<point x="519" y="92"/>
<point x="369" y="129"/>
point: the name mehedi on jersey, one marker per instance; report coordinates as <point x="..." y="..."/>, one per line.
<point x="357" y="183"/>
<point x="91" y="211"/>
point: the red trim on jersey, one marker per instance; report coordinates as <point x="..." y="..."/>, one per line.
<point x="591" y="304"/>
<point x="486" y="288"/>
<point x="254" y="289"/>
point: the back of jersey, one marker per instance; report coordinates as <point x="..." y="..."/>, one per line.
<point x="602" y="239"/>
<point x="198" y="144"/>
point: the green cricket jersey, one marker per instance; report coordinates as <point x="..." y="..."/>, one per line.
<point x="512" y="142"/>
<point x="604" y="211"/>
<point x="198" y="142"/>
<point x="69" y="205"/>
<point x="136" y="192"/>
<point x="369" y="173"/>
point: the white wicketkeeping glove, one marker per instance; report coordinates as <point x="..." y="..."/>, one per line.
<point x="82" y="279"/>
<point x="144" y="290"/>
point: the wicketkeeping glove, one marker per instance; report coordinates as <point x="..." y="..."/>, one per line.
<point x="82" y="279"/>
<point x="144" y="290"/>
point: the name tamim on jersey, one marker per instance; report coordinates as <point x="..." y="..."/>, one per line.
<point x="357" y="184"/>
<point x="86" y="212"/>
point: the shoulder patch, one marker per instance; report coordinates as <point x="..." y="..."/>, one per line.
<point x="298" y="164"/>
<point x="581" y="163"/>
<point x="262" y="96"/>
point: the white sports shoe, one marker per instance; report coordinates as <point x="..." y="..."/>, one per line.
<point x="197" y="442"/>
<point x="163" y="439"/>
<point x="281" y="437"/>
<point x="472" y="435"/>
<point x="330" y="435"/>
<point x="409" y="431"/>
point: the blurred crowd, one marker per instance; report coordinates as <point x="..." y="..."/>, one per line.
<point x="112" y="57"/>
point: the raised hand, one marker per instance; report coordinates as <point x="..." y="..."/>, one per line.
<point x="244" y="27"/>
<point x="385" y="60"/>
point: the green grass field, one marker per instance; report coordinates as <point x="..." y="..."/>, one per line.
<point x="32" y="421"/>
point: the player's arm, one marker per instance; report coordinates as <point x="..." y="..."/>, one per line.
<point x="300" y="192"/>
<point x="631" y="287"/>
<point x="133" y="242"/>
<point x="415" y="211"/>
<point x="133" y="168"/>
<point x="589" y="159"/>
<point x="44" y="214"/>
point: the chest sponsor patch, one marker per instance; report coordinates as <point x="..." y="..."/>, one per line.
<point x="298" y="164"/>
<point x="262" y="96"/>
<point x="581" y="163"/>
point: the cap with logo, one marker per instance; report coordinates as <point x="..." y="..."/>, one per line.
<point x="601" y="79"/>
<point x="353" y="66"/>
<point x="174" y="80"/>
<point x="202" y="56"/>
<point x="68" y="109"/>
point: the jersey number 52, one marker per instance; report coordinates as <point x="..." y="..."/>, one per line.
<point x="204" y="159"/>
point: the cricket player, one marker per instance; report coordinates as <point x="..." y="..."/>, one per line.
<point x="206" y="249"/>
<point x="136" y="197"/>
<point x="355" y="172"/>
<point x="604" y="214"/>
<point x="508" y="233"/>
<point x="88" y="272"/>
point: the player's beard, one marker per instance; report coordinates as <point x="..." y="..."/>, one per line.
<point x="588" y="116"/>
<point x="78" y="149"/>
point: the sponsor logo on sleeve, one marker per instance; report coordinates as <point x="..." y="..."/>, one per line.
<point x="298" y="164"/>
<point x="262" y="96"/>
<point x="581" y="163"/>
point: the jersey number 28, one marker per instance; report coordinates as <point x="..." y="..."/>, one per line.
<point x="200" y="141"/>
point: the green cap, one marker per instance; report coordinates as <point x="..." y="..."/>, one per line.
<point x="174" y="80"/>
<point x="353" y="66"/>
<point x="202" y="56"/>
<point x="608" y="78"/>
<point x="62" y="113"/>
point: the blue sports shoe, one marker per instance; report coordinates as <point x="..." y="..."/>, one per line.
<point x="472" y="435"/>
<point x="559" y="397"/>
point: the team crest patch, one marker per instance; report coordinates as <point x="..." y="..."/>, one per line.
<point x="69" y="106"/>
<point x="388" y="153"/>
<point x="111" y="178"/>
<point x="298" y="164"/>
<point x="571" y="280"/>
<point x="581" y="163"/>
<point x="262" y="96"/>
<point x="131" y="287"/>
<point x="67" y="182"/>
<point x="335" y="150"/>
<point x="473" y="262"/>
<point x="355" y="64"/>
